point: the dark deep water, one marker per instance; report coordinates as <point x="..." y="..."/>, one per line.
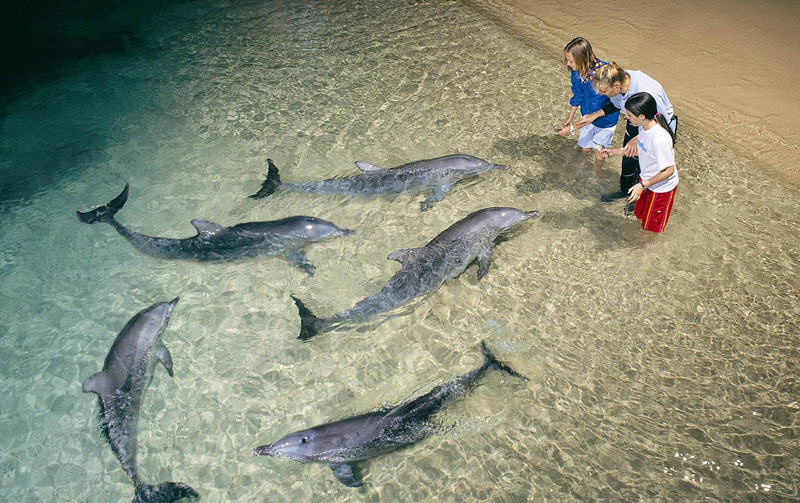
<point x="661" y="368"/>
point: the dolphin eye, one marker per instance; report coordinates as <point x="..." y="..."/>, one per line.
<point x="304" y="440"/>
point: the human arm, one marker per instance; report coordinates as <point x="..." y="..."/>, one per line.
<point x="637" y="190"/>
<point x="609" y="108"/>
<point x="631" y="149"/>
<point x="610" y="151"/>
<point x="565" y="129"/>
<point x="589" y="118"/>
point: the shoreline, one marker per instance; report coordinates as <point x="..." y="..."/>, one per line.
<point x="728" y="67"/>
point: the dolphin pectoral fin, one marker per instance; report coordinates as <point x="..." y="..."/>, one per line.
<point x="402" y="255"/>
<point x="162" y="353"/>
<point x="299" y="260"/>
<point x="207" y="229"/>
<point x="438" y="194"/>
<point x="346" y="474"/>
<point x="484" y="261"/>
<point x="366" y="167"/>
<point x="99" y="384"/>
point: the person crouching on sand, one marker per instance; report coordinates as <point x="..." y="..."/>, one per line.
<point x="655" y="192"/>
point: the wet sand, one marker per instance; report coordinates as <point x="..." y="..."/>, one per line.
<point x="729" y="66"/>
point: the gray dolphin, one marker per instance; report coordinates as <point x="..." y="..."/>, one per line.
<point x="425" y="269"/>
<point x="120" y="386"/>
<point x="437" y="175"/>
<point x="345" y="442"/>
<point x="214" y="243"/>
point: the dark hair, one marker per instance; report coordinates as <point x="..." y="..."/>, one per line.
<point x="644" y="104"/>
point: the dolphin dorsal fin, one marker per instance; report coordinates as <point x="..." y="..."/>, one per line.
<point x="403" y="255"/>
<point x="206" y="228"/>
<point x="98" y="383"/>
<point x="366" y="167"/>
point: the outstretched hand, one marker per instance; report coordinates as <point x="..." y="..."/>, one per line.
<point x="606" y="152"/>
<point x="565" y="130"/>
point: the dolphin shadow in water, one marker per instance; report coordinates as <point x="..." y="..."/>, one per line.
<point x="425" y="269"/>
<point x="437" y="175"/>
<point x="343" y="443"/>
<point x="214" y="243"/>
<point x="120" y="386"/>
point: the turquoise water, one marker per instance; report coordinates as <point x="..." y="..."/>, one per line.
<point x="661" y="367"/>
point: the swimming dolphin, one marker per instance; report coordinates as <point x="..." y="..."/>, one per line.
<point x="214" y="243"/>
<point x="425" y="269"/>
<point x="345" y="442"/>
<point x="120" y="386"/>
<point x="438" y="175"/>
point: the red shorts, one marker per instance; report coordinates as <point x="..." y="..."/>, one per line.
<point x="653" y="209"/>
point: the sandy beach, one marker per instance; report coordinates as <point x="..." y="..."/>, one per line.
<point x="729" y="67"/>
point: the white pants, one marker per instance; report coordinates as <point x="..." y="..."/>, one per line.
<point x="590" y="136"/>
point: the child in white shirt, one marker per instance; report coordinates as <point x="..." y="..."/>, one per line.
<point x="655" y="192"/>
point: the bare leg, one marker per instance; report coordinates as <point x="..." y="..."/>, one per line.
<point x="597" y="161"/>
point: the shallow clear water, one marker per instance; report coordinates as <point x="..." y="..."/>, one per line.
<point x="661" y="367"/>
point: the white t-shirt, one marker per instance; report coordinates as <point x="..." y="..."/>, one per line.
<point x="656" y="154"/>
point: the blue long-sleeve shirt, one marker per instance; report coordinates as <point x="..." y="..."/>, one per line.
<point x="585" y="97"/>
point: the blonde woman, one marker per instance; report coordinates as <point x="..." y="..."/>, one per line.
<point x="617" y="84"/>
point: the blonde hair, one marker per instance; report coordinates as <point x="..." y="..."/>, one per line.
<point x="608" y="75"/>
<point x="581" y="51"/>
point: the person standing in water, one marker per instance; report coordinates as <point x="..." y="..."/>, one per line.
<point x="612" y="81"/>
<point x="654" y="192"/>
<point x="583" y="64"/>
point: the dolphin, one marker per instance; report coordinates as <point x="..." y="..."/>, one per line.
<point x="347" y="441"/>
<point x="214" y="243"/>
<point x="120" y="386"/>
<point x="425" y="269"/>
<point x="437" y="175"/>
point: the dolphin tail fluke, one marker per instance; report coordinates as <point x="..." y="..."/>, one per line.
<point x="165" y="492"/>
<point x="310" y="325"/>
<point x="271" y="183"/>
<point x="106" y="212"/>
<point x="489" y="361"/>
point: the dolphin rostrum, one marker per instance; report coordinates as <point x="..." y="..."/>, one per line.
<point x="214" y="243"/>
<point x="437" y="175"/>
<point x="120" y="386"/>
<point x="347" y="441"/>
<point x="425" y="269"/>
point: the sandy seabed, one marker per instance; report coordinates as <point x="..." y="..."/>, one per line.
<point x="730" y="66"/>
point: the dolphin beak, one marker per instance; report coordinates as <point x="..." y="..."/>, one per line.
<point x="263" y="450"/>
<point x="172" y="305"/>
<point x="347" y="232"/>
<point x="533" y="214"/>
<point x="499" y="166"/>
